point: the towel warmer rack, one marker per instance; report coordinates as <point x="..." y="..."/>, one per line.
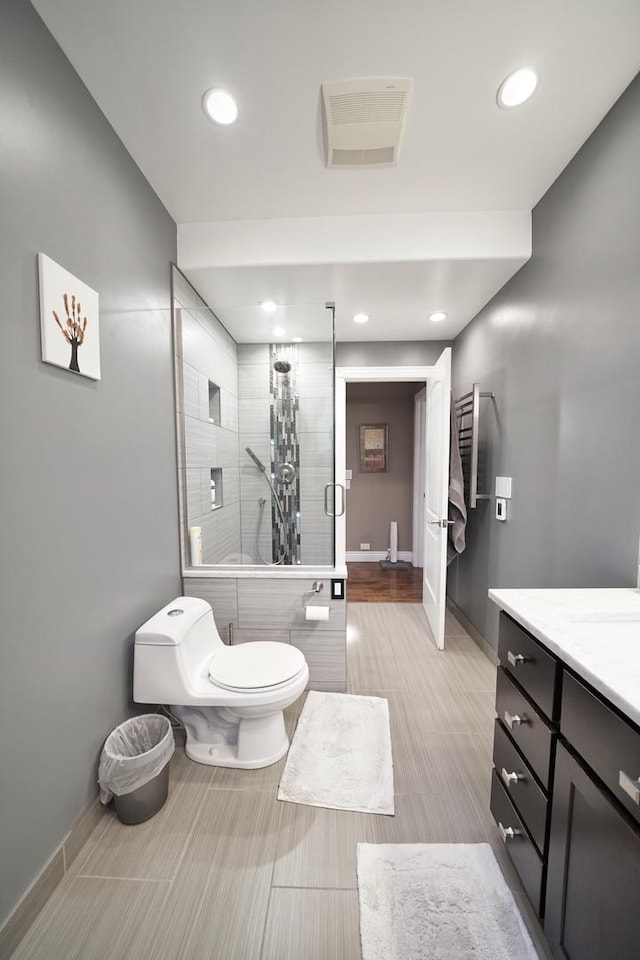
<point x="467" y="409"/>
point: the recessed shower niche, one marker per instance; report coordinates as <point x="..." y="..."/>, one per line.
<point x="216" y="488"/>
<point x="261" y="410"/>
<point x="214" y="402"/>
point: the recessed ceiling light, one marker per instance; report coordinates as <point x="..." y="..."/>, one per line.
<point x="297" y="339"/>
<point x="437" y="316"/>
<point x="220" y="106"/>
<point x="361" y="318"/>
<point x="517" y="87"/>
<point x="278" y="331"/>
<point x="269" y="306"/>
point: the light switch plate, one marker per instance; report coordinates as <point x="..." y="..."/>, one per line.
<point x="501" y="508"/>
<point x="503" y="487"/>
<point x="337" y="589"/>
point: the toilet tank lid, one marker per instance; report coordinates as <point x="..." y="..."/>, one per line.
<point x="169" y="626"/>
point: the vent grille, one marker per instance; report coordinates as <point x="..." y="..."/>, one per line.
<point x="363" y="119"/>
<point x="360" y="158"/>
<point x="380" y="107"/>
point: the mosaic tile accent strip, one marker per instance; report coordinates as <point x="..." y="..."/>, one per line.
<point x="285" y="452"/>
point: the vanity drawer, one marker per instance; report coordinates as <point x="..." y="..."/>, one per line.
<point x="609" y="744"/>
<point x="526" y="858"/>
<point x="536" y="670"/>
<point x="528" y="729"/>
<point x="526" y="795"/>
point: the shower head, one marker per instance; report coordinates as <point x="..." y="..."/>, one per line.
<point x="282" y="366"/>
<point x="257" y="462"/>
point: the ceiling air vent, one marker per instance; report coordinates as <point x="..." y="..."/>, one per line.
<point x="363" y="120"/>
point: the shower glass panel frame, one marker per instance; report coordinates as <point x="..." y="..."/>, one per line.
<point x="272" y="445"/>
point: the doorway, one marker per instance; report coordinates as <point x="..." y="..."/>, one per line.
<point x="380" y="494"/>
<point x="437" y="381"/>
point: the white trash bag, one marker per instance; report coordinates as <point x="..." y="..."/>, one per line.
<point x="133" y="754"/>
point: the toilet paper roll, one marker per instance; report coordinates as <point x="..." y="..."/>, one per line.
<point x="316" y="613"/>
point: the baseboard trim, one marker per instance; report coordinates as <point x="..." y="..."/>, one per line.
<point x="17" y="924"/>
<point x="375" y="556"/>
<point x="473" y="632"/>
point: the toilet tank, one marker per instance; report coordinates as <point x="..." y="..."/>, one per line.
<point x="172" y="649"/>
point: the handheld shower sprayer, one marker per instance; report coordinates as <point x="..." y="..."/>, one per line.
<point x="274" y="492"/>
<point x="259" y="464"/>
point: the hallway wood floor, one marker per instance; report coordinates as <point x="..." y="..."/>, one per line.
<point x="225" y="871"/>
<point x="369" y="583"/>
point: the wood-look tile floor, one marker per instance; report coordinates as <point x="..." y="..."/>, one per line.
<point x="225" y="871"/>
<point x="369" y="583"/>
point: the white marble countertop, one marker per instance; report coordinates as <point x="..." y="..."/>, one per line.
<point x="595" y="632"/>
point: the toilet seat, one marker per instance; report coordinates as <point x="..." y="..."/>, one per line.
<point x="255" y="667"/>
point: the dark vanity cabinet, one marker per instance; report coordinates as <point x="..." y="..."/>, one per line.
<point x="593" y="887"/>
<point x="566" y="797"/>
<point x="527" y="706"/>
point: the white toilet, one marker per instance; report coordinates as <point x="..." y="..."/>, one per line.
<point x="230" y="698"/>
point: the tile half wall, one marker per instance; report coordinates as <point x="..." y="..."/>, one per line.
<point x="271" y="609"/>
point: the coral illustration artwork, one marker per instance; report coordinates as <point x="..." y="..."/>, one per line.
<point x="69" y="320"/>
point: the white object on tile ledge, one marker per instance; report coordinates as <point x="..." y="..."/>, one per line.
<point x="195" y="545"/>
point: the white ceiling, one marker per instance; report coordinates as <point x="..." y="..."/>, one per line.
<point x="147" y="64"/>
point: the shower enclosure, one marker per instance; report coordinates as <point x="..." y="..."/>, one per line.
<point x="255" y="412"/>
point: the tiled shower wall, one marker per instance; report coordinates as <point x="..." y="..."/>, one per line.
<point x="316" y="450"/>
<point x="253" y="427"/>
<point x="315" y="420"/>
<point x="206" y="353"/>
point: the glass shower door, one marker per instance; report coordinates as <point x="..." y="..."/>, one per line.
<point x="255" y="407"/>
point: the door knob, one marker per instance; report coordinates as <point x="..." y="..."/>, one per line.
<point x="441" y="523"/>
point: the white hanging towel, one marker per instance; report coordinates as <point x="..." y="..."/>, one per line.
<point x="457" y="507"/>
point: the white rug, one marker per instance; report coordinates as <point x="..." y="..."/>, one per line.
<point x="340" y="756"/>
<point x="437" y="901"/>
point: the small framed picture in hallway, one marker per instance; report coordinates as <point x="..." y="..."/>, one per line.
<point x="69" y="320"/>
<point x="374" y="447"/>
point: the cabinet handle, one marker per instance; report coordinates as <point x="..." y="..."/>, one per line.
<point x="510" y="778"/>
<point x="508" y="833"/>
<point x="631" y="787"/>
<point x="513" y="721"/>
<point x="515" y="659"/>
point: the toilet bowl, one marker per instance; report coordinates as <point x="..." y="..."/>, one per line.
<point x="230" y="698"/>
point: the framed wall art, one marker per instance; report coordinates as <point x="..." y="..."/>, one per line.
<point x="69" y="320"/>
<point x="374" y="446"/>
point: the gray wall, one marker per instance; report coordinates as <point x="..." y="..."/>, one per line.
<point x="386" y="353"/>
<point x="89" y="501"/>
<point x="560" y="346"/>
<point x="374" y="499"/>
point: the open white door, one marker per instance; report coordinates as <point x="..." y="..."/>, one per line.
<point x="437" y="429"/>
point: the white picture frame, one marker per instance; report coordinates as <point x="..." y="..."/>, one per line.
<point x="69" y="320"/>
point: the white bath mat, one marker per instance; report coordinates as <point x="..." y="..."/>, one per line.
<point x="340" y="756"/>
<point x="441" y="901"/>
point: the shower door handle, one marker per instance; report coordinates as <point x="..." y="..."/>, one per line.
<point x="336" y="486"/>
